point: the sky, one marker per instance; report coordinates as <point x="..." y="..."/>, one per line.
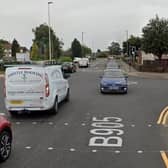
<point x="102" y="21"/>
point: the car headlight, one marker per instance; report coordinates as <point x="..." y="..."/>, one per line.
<point x="103" y="83"/>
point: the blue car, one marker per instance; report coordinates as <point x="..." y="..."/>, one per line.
<point x="113" y="82"/>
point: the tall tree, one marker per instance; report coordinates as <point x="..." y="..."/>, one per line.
<point x="132" y="43"/>
<point x="76" y="49"/>
<point x="42" y="41"/>
<point x="86" y="50"/>
<point x="15" y="48"/>
<point x="155" y="37"/>
<point x="114" y="48"/>
<point x="34" y="52"/>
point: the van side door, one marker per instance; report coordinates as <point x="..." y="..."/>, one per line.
<point x="56" y="84"/>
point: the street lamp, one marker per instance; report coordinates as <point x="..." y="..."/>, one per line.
<point x="83" y="44"/>
<point x="49" y="29"/>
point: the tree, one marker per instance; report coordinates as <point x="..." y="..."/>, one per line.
<point x="1" y="51"/>
<point x="76" y="49"/>
<point x="155" y="37"/>
<point x="34" y="52"/>
<point x="86" y="50"/>
<point x="15" y="48"/>
<point x="132" y="42"/>
<point x="114" y="49"/>
<point x="42" y="41"/>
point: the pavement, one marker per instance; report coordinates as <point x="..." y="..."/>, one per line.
<point x="133" y="72"/>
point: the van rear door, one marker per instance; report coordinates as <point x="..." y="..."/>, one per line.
<point x="25" y="86"/>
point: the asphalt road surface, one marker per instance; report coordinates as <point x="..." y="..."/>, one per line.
<point x="94" y="130"/>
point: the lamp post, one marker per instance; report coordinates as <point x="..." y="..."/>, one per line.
<point x="127" y="42"/>
<point x="49" y="29"/>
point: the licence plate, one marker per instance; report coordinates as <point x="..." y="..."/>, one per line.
<point x="16" y="102"/>
<point x="113" y="88"/>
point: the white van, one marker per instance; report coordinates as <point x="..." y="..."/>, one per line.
<point x="84" y="62"/>
<point x="35" y="88"/>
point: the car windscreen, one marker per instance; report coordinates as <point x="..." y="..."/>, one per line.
<point x="114" y="74"/>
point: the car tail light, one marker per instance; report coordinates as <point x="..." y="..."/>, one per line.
<point x="47" y="88"/>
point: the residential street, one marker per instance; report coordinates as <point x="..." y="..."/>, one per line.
<point x="94" y="130"/>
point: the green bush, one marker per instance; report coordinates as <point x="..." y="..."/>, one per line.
<point x="102" y="55"/>
<point x="65" y="59"/>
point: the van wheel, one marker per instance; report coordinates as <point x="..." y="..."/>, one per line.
<point x="5" y="145"/>
<point x="67" y="98"/>
<point x="54" y="110"/>
<point x="13" y="113"/>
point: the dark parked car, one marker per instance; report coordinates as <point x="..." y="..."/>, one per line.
<point x="69" y="67"/>
<point x="113" y="82"/>
<point x="5" y="139"/>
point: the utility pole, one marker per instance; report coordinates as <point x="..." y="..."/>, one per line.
<point x="127" y="42"/>
<point x="82" y="45"/>
<point x="49" y="30"/>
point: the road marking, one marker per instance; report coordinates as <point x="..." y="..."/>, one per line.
<point x="107" y="126"/>
<point x="139" y="151"/>
<point x="132" y="125"/>
<point x="18" y="123"/>
<point x="164" y="157"/>
<point x="165" y="118"/>
<point x="34" y="123"/>
<point x="132" y="83"/>
<point x="50" y="148"/>
<point x="2" y="114"/>
<point x="66" y="124"/>
<point x="72" y="150"/>
<point x="162" y="115"/>
<point x="117" y="152"/>
<point x="50" y="123"/>
<point x="149" y="125"/>
<point x="94" y="151"/>
<point x="83" y="124"/>
<point x="28" y="147"/>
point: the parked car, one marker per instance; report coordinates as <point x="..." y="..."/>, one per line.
<point x="84" y="62"/>
<point x="113" y="81"/>
<point x="69" y="67"/>
<point x="5" y="139"/>
<point x="35" y="88"/>
<point x="76" y="59"/>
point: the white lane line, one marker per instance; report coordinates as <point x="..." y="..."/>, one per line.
<point x="83" y="124"/>
<point x="2" y="114"/>
<point x="50" y="123"/>
<point x="72" y="150"/>
<point x="117" y="152"/>
<point x="94" y="151"/>
<point x="149" y="125"/>
<point x="50" y="148"/>
<point x="18" y="123"/>
<point x="132" y="125"/>
<point x="132" y="83"/>
<point x="34" y="123"/>
<point x="139" y="151"/>
<point x="66" y="124"/>
<point x="28" y="147"/>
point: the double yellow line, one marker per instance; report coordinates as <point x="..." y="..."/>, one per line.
<point x="163" y="116"/>
<point x="162" y="120"/>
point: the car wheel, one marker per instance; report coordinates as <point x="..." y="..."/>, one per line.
<point x="67" y="98"/>
<point x="54" y="110"/>
<point x="5" y="145"/>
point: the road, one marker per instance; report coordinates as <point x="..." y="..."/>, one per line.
<point x="77" y="137"/>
